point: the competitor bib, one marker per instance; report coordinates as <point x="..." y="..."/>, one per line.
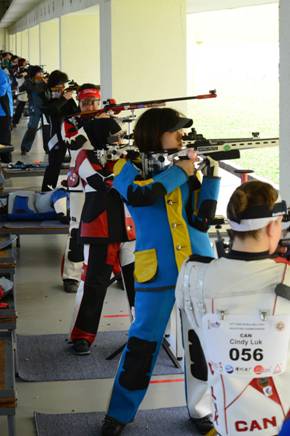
<point x="246" y="346"/>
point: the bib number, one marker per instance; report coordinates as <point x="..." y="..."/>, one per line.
<point x="246" y="345"/>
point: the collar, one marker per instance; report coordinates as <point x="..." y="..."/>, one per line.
<point x="244" y="255"/>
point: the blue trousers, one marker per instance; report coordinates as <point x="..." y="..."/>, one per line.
<point x="29" y="136"/>
<point x="145" y="337"/>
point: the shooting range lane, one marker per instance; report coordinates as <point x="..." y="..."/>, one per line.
<point x="50" y="358"/>
<point x="158" y="422"/>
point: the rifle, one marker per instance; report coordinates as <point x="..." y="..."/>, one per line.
<point x="225" y="148"/>
<point x="111" y="106"/>
<point x="218" y="149"/>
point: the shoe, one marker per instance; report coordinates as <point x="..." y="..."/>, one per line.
<point x="70" y="286"/>
<point x="112" y="427"/>
<point x="203" y="425"/>
<point x="81" y="347"/>
<point x="23" y="152"/>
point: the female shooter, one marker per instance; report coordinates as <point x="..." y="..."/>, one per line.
<point x="171" y="210"/>
<point x="238" y="308"/>
<point x="105" y="230"/>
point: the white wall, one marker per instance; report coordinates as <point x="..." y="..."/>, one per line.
<point x="148" y="49"/>
<point x="80" y="46"/>
<point x="24" y="44"/>
<point x="2" y="39"/>
<point x="12" y="43"/>
<point x="18" y="44"/>
<point x="49" y="45"/>
<point x="34" y="52"/>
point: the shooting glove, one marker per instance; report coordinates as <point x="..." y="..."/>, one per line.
<point x="211" y="167"/>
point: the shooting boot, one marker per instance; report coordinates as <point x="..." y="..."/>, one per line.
<point x="204" y="425"/>
<point x="70" y="286"/>
<point x="81" y="347"/>
<point x="112" y="427"/>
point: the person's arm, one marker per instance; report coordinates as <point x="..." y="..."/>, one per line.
<point x="204" y="195"/>
<point x="189" y="286"/>
<point x="26" y="86"/>
<point x="146" y="192"/>
<point x="54" y="107"/>
<point x="93" y="175"/>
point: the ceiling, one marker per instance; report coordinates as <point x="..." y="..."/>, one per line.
<point x="12" y="10"/>
<point x="4" y="4"/>
<point x="16" y="9"/>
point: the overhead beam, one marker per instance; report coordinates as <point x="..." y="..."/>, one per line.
<point x="48" y="10"/>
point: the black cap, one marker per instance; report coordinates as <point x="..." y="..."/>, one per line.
<point x="181" y="123"/>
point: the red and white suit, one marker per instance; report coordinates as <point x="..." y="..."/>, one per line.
<point x="103" y="228"/>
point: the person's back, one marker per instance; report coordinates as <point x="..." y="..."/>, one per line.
<point x="244" y="288"/>
<point x="234" y="307"/>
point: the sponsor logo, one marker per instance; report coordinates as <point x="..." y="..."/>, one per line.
<point x="277" y="369"/>
<point x="280" y="326"/>
<point x="243" y="371"/>
<point x="268" y="391"/>
<point x="259" y="369"/>
<point x="229" y="369"/>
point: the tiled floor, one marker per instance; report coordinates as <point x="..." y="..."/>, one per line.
<point x="44" y="308"/>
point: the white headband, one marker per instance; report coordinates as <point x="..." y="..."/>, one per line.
<point x="248" y="224"/>
<point x="251" y="224"/>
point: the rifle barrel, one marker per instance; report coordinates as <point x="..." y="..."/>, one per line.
<point x="142" y="104"/>
<point x="211" y="94"/>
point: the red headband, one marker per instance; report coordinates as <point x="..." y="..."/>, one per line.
<point x="89" y="93"/>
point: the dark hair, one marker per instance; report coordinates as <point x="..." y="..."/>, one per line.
<point x="57" y="77"/>
<point x="21" y="62"/>
<point x="151" y="125"/>
<point x="89" y="86"/>
<point x="248" y="195"/>
<point x="33" y="70"/>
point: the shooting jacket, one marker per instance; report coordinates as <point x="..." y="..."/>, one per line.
<point x="242" y="284"/>
<point x="171" y="212"/>
<point x="103" y="218"/>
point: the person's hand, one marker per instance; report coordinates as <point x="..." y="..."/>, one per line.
<point x="192" y="155"/>
<point x="187" y="165"/>
<point x="103" y="115"/>
<point x="68" y="95"/>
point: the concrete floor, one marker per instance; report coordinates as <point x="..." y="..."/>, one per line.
<point x="44" y="308"/>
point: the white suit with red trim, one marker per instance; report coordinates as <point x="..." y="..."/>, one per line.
<point x="73" y="260"/>
<point x="236" y="286"/>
